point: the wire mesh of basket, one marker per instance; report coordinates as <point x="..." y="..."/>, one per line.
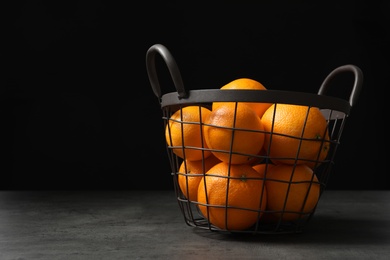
<point x="219" y="208"/>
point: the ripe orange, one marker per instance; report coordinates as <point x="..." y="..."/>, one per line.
<point x="184" y="132"/>
<point x="291" y="191"/>
<point x="293" y="139"/>
<point x="246" y="83"/>
<point x="232" y="197"/>
<point x="237" y="145"/>
<point x="190" y="174"/>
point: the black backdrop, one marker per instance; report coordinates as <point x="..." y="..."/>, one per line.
<point x="79" y="112"/>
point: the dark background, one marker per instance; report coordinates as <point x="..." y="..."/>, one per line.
<point x="79" y="112"/>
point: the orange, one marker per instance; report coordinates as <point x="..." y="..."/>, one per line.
<point x="238" y="145"/>
<point x="291" y="190"/>
<point x="292" y="140"/>
<point x="232" y="197"/>
<point x="183" y="132"/>
<point x="190" y="174"/>
<point x="249" y="84"/>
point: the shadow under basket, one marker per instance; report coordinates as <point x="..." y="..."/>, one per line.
<point x="220" y="209"/>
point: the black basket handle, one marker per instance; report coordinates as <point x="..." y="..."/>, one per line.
<point x="172" y="66"/>
<point x="178" y="82"/>
<point x="356" y="86"/>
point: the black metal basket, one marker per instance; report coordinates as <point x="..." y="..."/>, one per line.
<point x="268" y="221"/>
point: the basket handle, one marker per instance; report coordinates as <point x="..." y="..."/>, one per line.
<point x="172" y="67"/>
<point x="356" y="86"/>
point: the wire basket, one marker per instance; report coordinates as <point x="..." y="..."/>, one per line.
<point x="228" y="207"/>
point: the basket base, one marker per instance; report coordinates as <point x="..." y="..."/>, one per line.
<point x="193" y="218"/>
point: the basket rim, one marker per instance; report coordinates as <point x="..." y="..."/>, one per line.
<point x="268" y="96"/>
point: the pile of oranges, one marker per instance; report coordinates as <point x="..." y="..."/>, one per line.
<point x="247" y="162"/>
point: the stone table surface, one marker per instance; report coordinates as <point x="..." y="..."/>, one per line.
<point x="130" y="224"/>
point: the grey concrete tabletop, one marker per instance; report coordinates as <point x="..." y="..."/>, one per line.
<point x="132" y="224"/>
